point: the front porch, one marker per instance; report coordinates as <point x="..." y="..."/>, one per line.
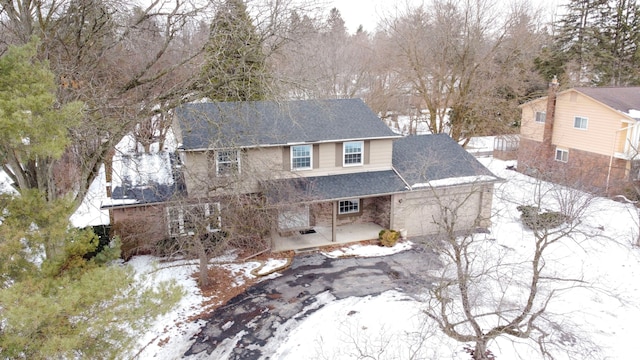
<point x="321" y="236"/>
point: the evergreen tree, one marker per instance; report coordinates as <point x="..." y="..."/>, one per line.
<point x="66" y="305"/>
<point x="55" y="300"/>
<point x="617" y="35"/>
<point x="596" y="44"/>
<point x="235" y="68"/>
<point x="34" y="127"/>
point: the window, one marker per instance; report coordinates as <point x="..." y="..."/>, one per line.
<point x="580" y="122"/>
<point x="351" y="206"/>
<point x="352" y="153"/>
<point x="227" y="162"/>
<point x="191" y="219"/>
<point x="296" y="217"/>
<point x="541" y="116"/>
<point x="301" y="157"/>
<point x="562" y="155"/>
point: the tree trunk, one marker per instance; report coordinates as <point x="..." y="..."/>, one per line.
<point x="480" y="352"/>
<point x="204" y="264"/>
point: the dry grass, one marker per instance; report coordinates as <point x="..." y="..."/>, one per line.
<point x="225" y="284"/>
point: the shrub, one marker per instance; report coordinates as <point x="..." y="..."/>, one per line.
<point x="533" y="219"/>
<point x="388" y="237"/>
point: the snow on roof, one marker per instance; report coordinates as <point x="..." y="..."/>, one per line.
<point x="135" y="170"/>
<point x="456" y="181"/>
<point x="90" y="213"/>
<point x="634" y="113"/>
<point x="143" y="179"/>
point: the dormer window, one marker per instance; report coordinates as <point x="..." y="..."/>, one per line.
<point x="353" y="153"/>
<point x="301" y="156"/>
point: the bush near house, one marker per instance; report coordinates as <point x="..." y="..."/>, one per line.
<point x="388" y="237"/>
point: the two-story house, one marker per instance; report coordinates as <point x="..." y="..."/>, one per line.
<point x="323" y="171"/>
<point x="582" y="136"/>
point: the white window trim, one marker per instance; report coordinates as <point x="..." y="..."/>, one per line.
<point x="535" y="117"/>
<point x="208" y="207"/>
<point x="340" y="212"/>
<point x="586" y="122"/>
<point x="291" y="157"/>
<point x="562" y="151"/>
<point x="227" y="162"/>
<point x="344" y="153"/>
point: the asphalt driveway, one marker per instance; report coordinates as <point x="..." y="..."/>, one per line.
<point x="250" y="319"/>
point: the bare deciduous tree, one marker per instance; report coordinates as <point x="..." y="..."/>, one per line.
<point x="462" y="66"/>
<point x="487" y="292"/>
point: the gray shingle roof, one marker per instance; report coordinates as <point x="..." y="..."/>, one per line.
<point x="241" y="124"/>
<point x="424" y="158"/>
<point x="343" y="186"/>
<point x="619" y="98"/>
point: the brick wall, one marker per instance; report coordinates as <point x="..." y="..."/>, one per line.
<point x="139" y="228"/>
<point x="375" y="210"/>
<point x="583" y="170"/>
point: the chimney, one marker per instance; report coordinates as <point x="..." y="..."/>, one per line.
<point x="551" y="111"/>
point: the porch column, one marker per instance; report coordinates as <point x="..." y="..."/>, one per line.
<point x="334" y="220"/>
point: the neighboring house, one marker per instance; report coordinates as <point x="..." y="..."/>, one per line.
<point x="325" y="171"/>
<point x="582" y="136"/>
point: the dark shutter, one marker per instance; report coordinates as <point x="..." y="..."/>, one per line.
<point x="286" y="158"/>
<point x="367" y="146"/>
<point x="316" y="156"/>
<point x="339" y="149"/>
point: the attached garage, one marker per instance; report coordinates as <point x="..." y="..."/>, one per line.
<point x="431" y="211"/>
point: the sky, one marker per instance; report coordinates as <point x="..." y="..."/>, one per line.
<point x="368" y="12"/>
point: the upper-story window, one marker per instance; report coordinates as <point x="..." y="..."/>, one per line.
<point x="353" y="153"/>
<point x="580" y="122"/>
<point x="227" y="162"/>
<point x="541" y="116"/>
<point x="301" y="156"/>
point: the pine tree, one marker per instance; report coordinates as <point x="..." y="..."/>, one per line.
<point x="34" y="127"/>
<point x="596" y="44"/>
<point x="617" y="34"/>
<point x="235" y="68"/>
<point x="56" y="301"/>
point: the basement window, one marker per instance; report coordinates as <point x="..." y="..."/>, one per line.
<point x="562" y="155"/>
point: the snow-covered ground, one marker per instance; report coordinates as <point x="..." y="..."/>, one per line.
<point x="603" y="316"/>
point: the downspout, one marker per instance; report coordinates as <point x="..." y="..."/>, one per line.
<point x="613" y="151"/>
<point x="334" y="220"/>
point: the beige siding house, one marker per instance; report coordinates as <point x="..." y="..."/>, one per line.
<point x="583" y="136"/>
<point x="326" y="171"/>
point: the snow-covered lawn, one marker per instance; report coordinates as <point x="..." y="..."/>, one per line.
<point x="604" y="316"/>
